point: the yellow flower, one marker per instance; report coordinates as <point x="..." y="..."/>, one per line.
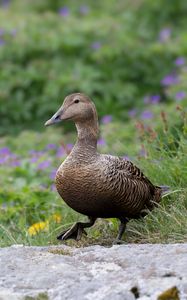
<point x="43" y="226"/>
<point x="57" y="218"/>
<point x="37" y="227"/>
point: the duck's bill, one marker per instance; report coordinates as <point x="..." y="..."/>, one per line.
<point x="55" y="119"/>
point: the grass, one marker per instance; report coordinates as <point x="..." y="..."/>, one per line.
<point x="32" y="213"/>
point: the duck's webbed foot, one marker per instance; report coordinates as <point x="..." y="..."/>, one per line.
<point x="121" y="230"/>
<point x="76" y="231"/>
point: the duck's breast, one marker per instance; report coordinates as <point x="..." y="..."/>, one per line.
<point x="83" y="188"/>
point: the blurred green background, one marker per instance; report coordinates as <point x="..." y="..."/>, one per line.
<point x="130" y="57"/>
<point x="118" y="52"/>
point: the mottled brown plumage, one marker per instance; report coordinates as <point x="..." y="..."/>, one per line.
<point x="98" y="185"/>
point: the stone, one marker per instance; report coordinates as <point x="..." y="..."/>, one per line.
<point x="121" y="272"/>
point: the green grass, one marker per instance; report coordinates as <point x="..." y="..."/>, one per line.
<point x="26" y="197"/>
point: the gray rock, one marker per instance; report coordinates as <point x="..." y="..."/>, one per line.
<point x="122" y="272"/>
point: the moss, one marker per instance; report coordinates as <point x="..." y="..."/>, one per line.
<point x="40" y="296"/>
<point x="170" y="294"/>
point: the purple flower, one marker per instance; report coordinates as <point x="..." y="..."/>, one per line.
<point x="64" y="11"/>
<point x="32" y="152"/>
<point x="164" y="34"/>
<point x="132" y="113"/>
<point x="53" y="187"/>
<point x="34" y="160"/>
<point x="5" y="151"/>
<point x="51" y="147"/>
<point x="106" y="119"/>
<point x="2" y="42"/>
<point x="126" y="157"/>
<point x="35" y="153"/>
<point x="15" y="163"/>
<point x="180" y="61"/>
<point x="169" y="80"/>
<point x="84" y="9"/>
<point x="53" y="174"/>
<point x="180" y="95"/>
<point x="96" y="45"/>
<point x="143" y="152"/>
<point x="146" y="114"/>
<point x="2" y="31"/>
<point x="101" y="142"/>
<point x="60" y="152"/>
<point x="69" y="146"/>
<point x="13" y="156"/>
<point x="3" y="160"/>
<point x="5" y="3"/>
<point x="43" y="165"/>
<point x="154" y="99"/>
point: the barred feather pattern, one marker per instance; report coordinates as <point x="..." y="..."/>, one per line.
<point x="106" y="186"/>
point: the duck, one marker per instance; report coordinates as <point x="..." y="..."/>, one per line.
<point x="98" y="185"/>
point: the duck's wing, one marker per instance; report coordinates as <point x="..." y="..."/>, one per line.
<point x="133" y="171"/>
<point x="124" y="171"/>
<point x="127" y="168"/>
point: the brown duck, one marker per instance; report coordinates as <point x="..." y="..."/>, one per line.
<point x="94" y="184"/>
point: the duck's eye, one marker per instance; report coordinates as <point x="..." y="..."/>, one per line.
<point x="76" y="101"/>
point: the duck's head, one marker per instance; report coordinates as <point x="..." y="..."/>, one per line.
<point x="76" y="107"/>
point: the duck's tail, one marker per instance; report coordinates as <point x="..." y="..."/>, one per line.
<point x="160" y="191"/>
<point x="164" y="189"/>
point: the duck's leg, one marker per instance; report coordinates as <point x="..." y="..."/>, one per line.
<point x="121" y="230"/>
<point x="76" y="231"/>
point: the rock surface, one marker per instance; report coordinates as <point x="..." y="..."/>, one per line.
<point x="122" y="272"/>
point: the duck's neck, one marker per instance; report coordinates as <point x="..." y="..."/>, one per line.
<point x="87" y="135"/>
<point x="85" y="147"/>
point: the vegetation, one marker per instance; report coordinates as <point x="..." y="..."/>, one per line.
<point x="134" y="67"/>
<point x="118" y="53"/>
